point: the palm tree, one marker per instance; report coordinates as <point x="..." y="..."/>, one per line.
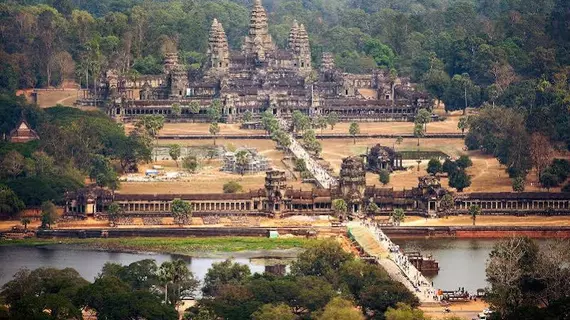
<point x="25" y="222"/>
<point x="398" y="216"/>
<point x="474" y="211"/>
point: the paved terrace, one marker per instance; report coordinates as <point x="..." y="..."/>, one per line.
<point x="322" y="176"/>
<point x="376" y="244"/>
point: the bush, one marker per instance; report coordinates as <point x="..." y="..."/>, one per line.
<point x="434" y="166"/>
<point x="384" y="177"/>
<point x="464" y="162"/>
<point x="232" y="187"/>
<point x="449" y="167"/>
<point x="300" y="165"/>
<point x="560" y="168"/>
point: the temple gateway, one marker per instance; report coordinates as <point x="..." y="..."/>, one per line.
<point x="256" y="78"/>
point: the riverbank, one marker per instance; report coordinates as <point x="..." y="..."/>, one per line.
<point x="182" y="246"/>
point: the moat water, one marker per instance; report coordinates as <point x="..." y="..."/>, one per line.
<point x="461" y="261"/>
<point x="90" y="262"/>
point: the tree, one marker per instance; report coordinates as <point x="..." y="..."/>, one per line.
<point x="13" y="163"/>
<point x="449" y="167"/>
<point x="247" y="116"/>
<point x="243" y="160"/>
<point x="353" y="130"/>
<point x="446" y="204"/>
<point x="175" y="151"/>
<point x="215" y="111"/>
<point x="463" y="124"/>
<point x="44" y="293"/>
<point x="49" y="214"/>
<point x="300" y="165"/>
<point x="323" y="259"/>
<point x="301" y="122"/>
<point x="25" y="221"/>
<point x="434" y="166"/>
<point x="332" y="119"/>
<point x="526" y="281"/>
<point x="114" y="211"/>
<point x="181" y="211"/>
<point x="419" y="132"/>
<point x="399" y="140"/>
<point x="214" y="130"/>
<point x="232" y="187"/>
<point x="176" y="110"/>
<point x="464" y="162"/>
<point x="372" y="208"/>
<point x="224" y="273"/>
<point x="340" y="208"/>
<point x="274" y="312"/>
<point x="518" y="184"/>
<point x="340" y="309"/>
<point x="148" y="126"/>
<point x="423" y="117"/>
<point x="474" y="211"/>
<point x="104" y="173"/>
<point x="195" y="107"/>
<point x="398" y="216"/>
<point x="459" y="180"/>
<point x="384" y="177"/>
<point x="9" y="201"/>
<point x="548" y="180"/>
<point x="183" y="283"/>
<point x="541" y="151"/>
<point x="321" y="123"/>
<point x="190" y="163"/>
<point x="403" y="312"/>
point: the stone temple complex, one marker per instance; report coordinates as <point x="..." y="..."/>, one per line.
<point x="256" y="78"/>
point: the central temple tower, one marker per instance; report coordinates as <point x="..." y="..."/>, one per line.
<point x="258" y="40"/>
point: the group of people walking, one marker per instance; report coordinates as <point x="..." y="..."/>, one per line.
<point x="416" y="278"/>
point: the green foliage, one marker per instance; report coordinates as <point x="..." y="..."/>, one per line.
<point x="148" y="65"/>
<point x="464" y="162"/>
<point x="434" y="166"/>
<point x="459" y="180"/>
<point x="332" y="119"/>
<point x="323" y="259"/>
<point x="340" y="309"/>
<point x="178" y="281"/>
<point x="301" y="122"/>
<point x="274" y="312"/>
<point x="190" y="163"/>
<point x="474" y="211"/>
<point x="35" y="190"/>
<point x="404" y="312"/>
<point x="447" y="204"/>
<point x="222" y="274"/>
<point x="232" y="187"/>
<point x="114" y="211"/>
<point x="194" y="107"/>
<point x="300" y="165"/>
<point x="175" y="151"/>
<point x="353" y="130"/>
<point x="176" y="110"/>
<point x="247" y="116"/>
<point x="49" y="214"/>
<point x="548" y="179"/>
<point x="214" y="130"/>
<point x="44" y="291"/>
<point x="9" y="202"/>
<point x="398" y="216"/>
<point x="181" y="211"/>
<point x="103" y="172"/>
<point x="215" y="111"/>
<point x="518" y="184"/>
<point x="339" y="206"/>
<point x="384" y="177"/>
<point x="449" y="166"/>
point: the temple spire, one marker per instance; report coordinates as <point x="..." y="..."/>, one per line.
<point x="218" y="49"/>
<point x="293" y="34"/>
<point x="258" y="39"/>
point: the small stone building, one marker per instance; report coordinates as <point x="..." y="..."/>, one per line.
<point x="23" y="133"/>
<point x="383" y="158"/>
<point x="255" y="162"/>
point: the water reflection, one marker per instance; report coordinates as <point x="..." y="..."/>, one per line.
<point x="89" y="262"/>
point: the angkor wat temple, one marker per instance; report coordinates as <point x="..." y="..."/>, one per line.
<point x="259" y="77"/>
<point x="278" y="200"/>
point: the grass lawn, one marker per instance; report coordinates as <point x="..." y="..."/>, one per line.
<point x="174" y="245"/>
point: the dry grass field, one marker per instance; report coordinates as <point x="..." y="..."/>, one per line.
<point x="199" y="128"/>
<point x="209" y="179"/>
<point x="465" y="220"/>
<point x="487" y="174"/>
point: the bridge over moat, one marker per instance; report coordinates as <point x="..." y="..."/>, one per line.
<point x="378" y="246"/>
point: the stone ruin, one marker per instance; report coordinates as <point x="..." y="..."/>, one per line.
<point x="255" y="162"/>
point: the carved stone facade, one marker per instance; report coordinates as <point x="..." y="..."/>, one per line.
<point x="258" y="77"/>
<point x="278" y="200"/>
